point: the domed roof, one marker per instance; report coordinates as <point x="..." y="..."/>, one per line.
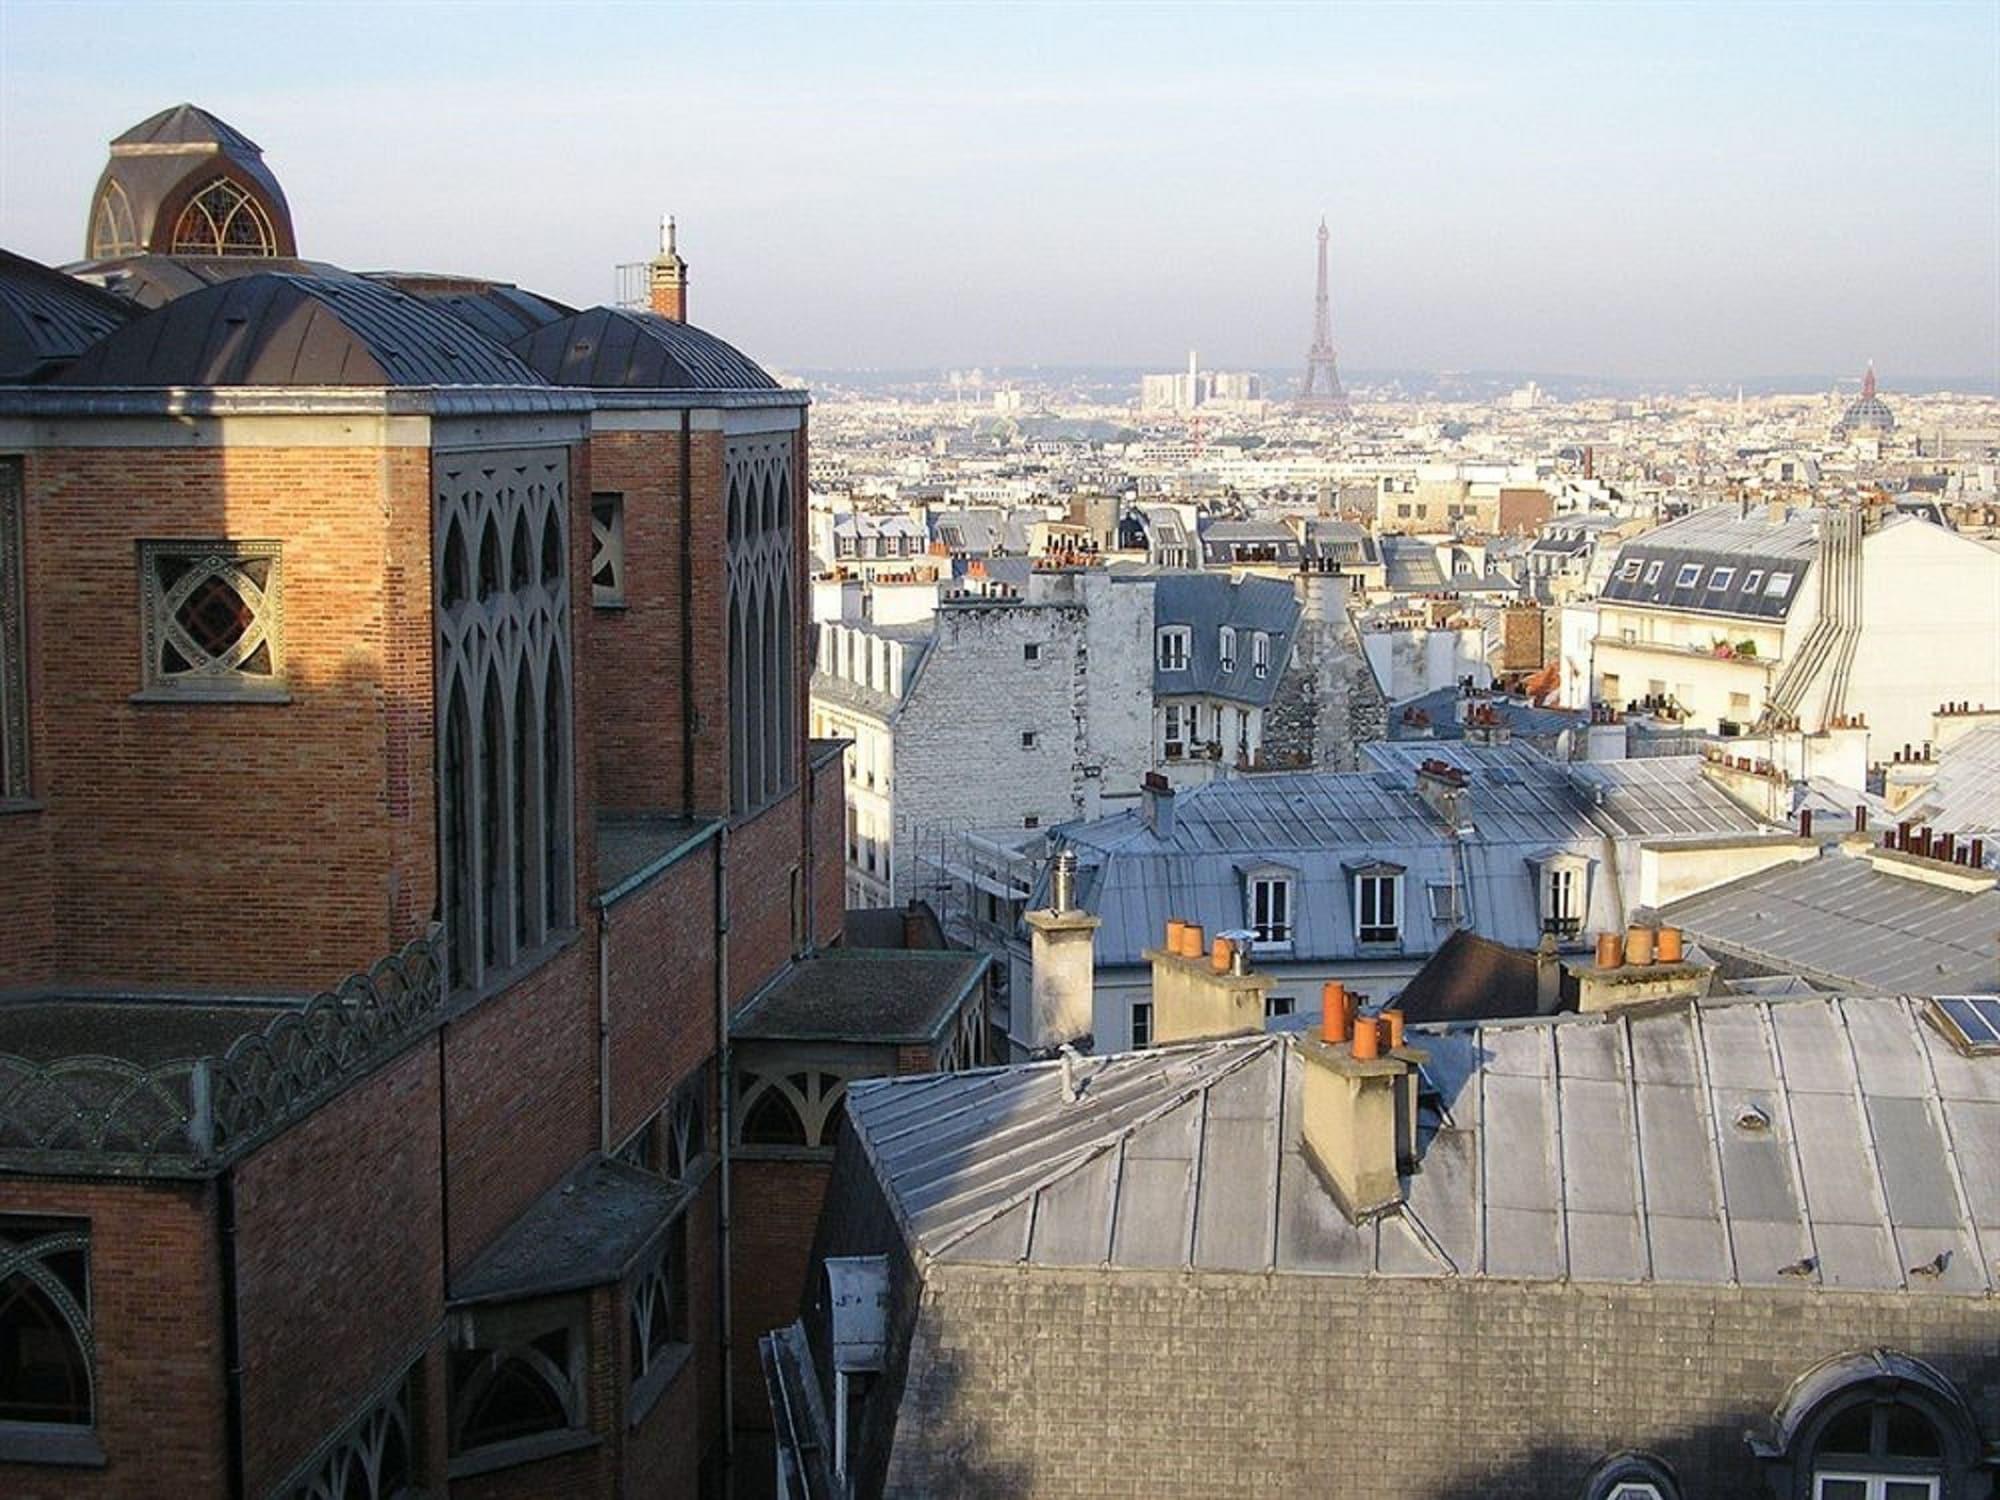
<point x="1868" y="412"/>
<point x="48" y="319"/>
<point x="612" y="347"/>
<point x="283" y="330"/>
<point x="184" y="182"/>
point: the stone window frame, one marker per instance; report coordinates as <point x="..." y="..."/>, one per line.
<point x="677" y="1140"/>
<point x="814" y="1094"/>
<point x="14" y="761"/>
<point x="761" y="610"/>
<point x="1631" y="1475"/>
<point x="366" y="1445"/>
<point x="27" y="1241"/>
<point x="607" y="549"/>
<point x="1793" y="1452"/>
<point x="659" y="1326"/>
<point x="243" y="202"/>
<point x="509" y="1335"/>
<point x="216" y="677"/>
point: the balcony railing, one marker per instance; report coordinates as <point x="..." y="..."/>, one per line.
<point x="187" y="1116"/>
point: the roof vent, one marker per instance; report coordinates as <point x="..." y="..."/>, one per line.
<point x="1753" y="1118"/>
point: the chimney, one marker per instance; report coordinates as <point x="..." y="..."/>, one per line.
<point x="1548" y="976"/>
<point x="1156" y="808"/>
<point x="1441" y="785"/>
<point x="666" y="277"/>
<point x="1063" y="941"/>
<point x="1200" y="994"/>
<point x="1646" y="966"/>
<point x="1359" y="1126"/>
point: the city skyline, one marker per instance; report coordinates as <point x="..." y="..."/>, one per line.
<point x="1661" y="194"/>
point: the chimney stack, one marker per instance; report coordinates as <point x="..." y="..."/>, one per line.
<point x="1359" y="1128"/>
<point x="1199" y="994"/>
<point x="1063" y="944"/>
<point x="666" y="277"/>
<point x="1157" y="805"/>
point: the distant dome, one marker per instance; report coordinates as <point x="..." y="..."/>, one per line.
<point x="1868" y="412"/>
<point x="186" y="183"/>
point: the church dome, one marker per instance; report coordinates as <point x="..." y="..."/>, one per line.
<point x="1868" y="412"/>
<point x="185" y="183"/>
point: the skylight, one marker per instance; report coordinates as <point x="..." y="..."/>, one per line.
<point x="1970" y="1023"/>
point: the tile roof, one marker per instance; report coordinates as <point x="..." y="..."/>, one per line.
<point x="1836" y="1141"/>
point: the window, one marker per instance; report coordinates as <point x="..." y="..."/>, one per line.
<point x="1142" y="1023"/>
<point x="790" y="1110"/>
<point x="13" y="638"/>
<point x="1444" y="902"/>
<point x="607" y="550"/>
<point x="1271" y="909"/>
<point x="1721" y="578"/>
<point x="1226" y="647"/>
<point x="1260" y="654"/>
<point x="1378" y="908"/>
<point x="763" y="707"/>
<point x="374" y="1459"/>
<point x="1031" y="651"/>
<point x="1173" y="647"/>
<point x="1032" y="820"/>
<point x="47" y="1352"/>
<point x="223" y="220"/>
<point x="211" y="616"/>
<point x="1688" y="577"/>
<point x="1629" y="569"/>
<point x="657" y="1322"/>
<point x="517" y="1375"/>
<point x="1562" y="908"/>
<point x="1779" y="585"/>
<point x="1027" y="739"/>
<point x="1653" y="571"/>
<point x="1174" y="742"/>
<point x="1279" y="1005"/>
<point x="1873" y="1425"/>
<point x="1631" y="1476"/>
<point x="1753" y="580"/>
<point x="673" y="1143"/>
<point x="1831" y="1486"/>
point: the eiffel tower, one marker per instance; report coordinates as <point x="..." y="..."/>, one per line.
<point x="1321" y="391"/>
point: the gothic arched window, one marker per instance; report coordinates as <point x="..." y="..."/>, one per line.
<point x="46" y="1348"/>
<point x="223" y="219"/>
<point x="112" y="232"/>
<point x="763" y="720"/>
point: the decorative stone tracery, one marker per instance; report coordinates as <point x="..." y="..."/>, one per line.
<point x="762" y="606"/>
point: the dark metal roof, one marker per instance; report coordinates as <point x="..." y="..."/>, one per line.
<point x="1471" y="978"/>
<point x="499" y="310"/>
<point x="155" y="280"/>
<point x="1205" y="602"/>
<point x="611" y="347"/>
<point x="48" y="319"/>
<point x="280" y="330"/>
<point x="1718" y="537"/>
<point x="187" y="125"/>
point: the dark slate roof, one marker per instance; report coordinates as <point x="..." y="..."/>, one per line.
<point x="1410" y="565"/>
<point x="582" y="1232"/>
<point x="1471" y="978"/>
<point x="145" y="1032"/>
<point x="1840" y="922"/>
<point x="1718" y="537"/>
<point x="272" y="329"/>
<point x="1205" y="602"/>
<point x="863" y="995"/>
<point x="155" y="280"/>
<point x="632" y="848"/>
<point x="499" y="310"/>
<point x="613" y="348"/>
<point x="1226" y="542"/>
<point x="48" y="319"/>
<point x="1341" y="541"/>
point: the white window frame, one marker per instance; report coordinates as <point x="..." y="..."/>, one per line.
<point x="1878" y="1483"/>
<point x="1174" y="737"/>
<point x="1653" y="570"/>
<point x="1226" y="647"/>
<point x="1778" y="584"/>
<point x="1280" y="1005"/>
<point x="1720" y="578"/>
<point x="1260" y="654"/>
<point x="1368" y="893"/>
<point x="1628" y="571"/>
<point x="1753" y="581"/>
<point x="1269" y="898"/>
<point x="1172" y="647"/>
<point x="1688" y="577"/>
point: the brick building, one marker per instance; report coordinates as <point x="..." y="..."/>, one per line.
<point x="404" y="781"/>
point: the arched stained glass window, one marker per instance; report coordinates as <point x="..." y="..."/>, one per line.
<point x="45" y="1335"/>
<point x="112" y="231"/>
<point x="222" y="219"/>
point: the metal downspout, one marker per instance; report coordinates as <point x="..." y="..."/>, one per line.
<point x="725" y="1090"/>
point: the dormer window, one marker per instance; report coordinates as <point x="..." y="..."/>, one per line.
<point x="1720" y="578"/>
<point x="1226" y="647"/>
<point x="1260" y="654"/>
<point x="1378" y="904"/>
<point x="1174" y="641"/>
<point x="1270" y="901"/>
<point x="1753" y="580"/>
<point x="1629" y="569"/>
<point x="1653" y="571"/>
<point x="1779" y="584"/>
<point x="1688" y="577"/>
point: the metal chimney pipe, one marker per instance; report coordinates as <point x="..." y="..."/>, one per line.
<point x="1062" y="884"/>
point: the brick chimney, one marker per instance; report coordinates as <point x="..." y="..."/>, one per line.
<point x="1359" y="1095"/>
<point x="1200" y="992"/>
<point x="1156" y="807"/>
<point x="667" y="277"/>
<point x="1063" y="942"/>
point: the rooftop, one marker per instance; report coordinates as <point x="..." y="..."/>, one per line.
<point x="586" y="1230"/>
<point x="863" y="995"/>
<point x="1838" y="1142"/>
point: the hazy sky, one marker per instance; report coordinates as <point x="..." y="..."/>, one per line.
<point x="1642" y="190"/>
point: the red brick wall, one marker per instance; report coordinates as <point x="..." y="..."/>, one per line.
<point x="762" y="854"/>
<point x="338" y="1269"/>
<point x="662" y="1454"/>
<point x="774" y="1210"/>
<point x="829" y="852"/>
<point x="155" y="1288"/>
<point x="521" y="1106"/>
<point x="27" y="901"/>
<point x="1523" y="510"/>
<point x="637" y="731"/>
<point x="711" y="624"/>
<point x="588" y="1472"/>
<point x="164" y="816"/>
<point x="662" y="942"/>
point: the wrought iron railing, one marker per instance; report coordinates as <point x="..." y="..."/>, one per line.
<point x="112" y="1115"/>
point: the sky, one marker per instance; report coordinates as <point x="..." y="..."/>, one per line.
<point x="1665" y="192"/>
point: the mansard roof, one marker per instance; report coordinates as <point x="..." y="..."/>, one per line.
<point x="614" y="347"/>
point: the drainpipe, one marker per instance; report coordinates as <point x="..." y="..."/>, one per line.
<point x="232" y="1343"/>
<point x="725" y="1109"/>
<point x="687" y="613"/>
<point x="604" y="1142"/>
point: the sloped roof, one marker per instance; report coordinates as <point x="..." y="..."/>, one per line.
<point x="272" y="329"/>
<point x="1205" y="602"/>
<point x="160" y="160"/>
<point x="1965" y="797"/>
<point x="1719" y="536"/>
<point x="1471" y="979"/>
<point x="613" y="347"/>
<point x="1840" y="922"/>
<point x="499" y="310"/>
<point x="1832" y="1142"/>
<point x="863" y="995"/>
<point x="48" y="319"/>
<point x="150" y="281"/>
<point x="187" y="125"/>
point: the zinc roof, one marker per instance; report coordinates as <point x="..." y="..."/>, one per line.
<point x="1205" y="602"/>
<point x="47" y="318"/>
<point x="615" y="347"/>
<point x="1834" y="1142"/>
